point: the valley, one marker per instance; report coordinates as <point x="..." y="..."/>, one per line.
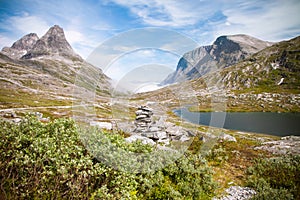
<point x="68" y="105"/>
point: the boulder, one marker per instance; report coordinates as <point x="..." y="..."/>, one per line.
<point x="102" y="125"/>
<point x="159" y="135"/>
<point x="154" y="129"/>
<point x="143" y="139"/>
<point x="227" y="137"/>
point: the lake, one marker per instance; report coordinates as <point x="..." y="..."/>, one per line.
<point x="279" y="124"/>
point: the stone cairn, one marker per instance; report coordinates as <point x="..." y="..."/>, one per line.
<point x="151" y="132"/>
<point x="143" y="119"/>
<point x="147" y="127"/>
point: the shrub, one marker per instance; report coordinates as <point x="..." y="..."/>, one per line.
<point x="276" y="178"/>
<point x="49" y="161"/>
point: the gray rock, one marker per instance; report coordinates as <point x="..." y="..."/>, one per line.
<point x="227" y="137"/>
<point x="144" y="140"/>
<point x="286" y="145"/>
<point x="17" y="120"/>
<point x="52" y="43"/>
<point x="154" y="129"/>
<point x="291" y="138"/>
<point x="21" y="47"/>
<point x="138" y="117"/>
<point x="184" y="138"/>
<point x="126" y="127"/>
<point x="190" y="133"/>
<point x="237" y="193"/>
<point x="146" y="109"/>
<point x="160" y="123"/>
<point x="164" y="141"/>
<point x="159" y="135"/>
<point x="174" y="130"/>
<point x="102" y="125"/>
<point x="141" y="112"/>
<point x="160" y="131"/>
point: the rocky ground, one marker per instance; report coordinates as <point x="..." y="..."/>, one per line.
<point x="286" y="145"/>
<point x="237" y="193"/>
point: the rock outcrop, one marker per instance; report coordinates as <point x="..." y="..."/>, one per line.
<point x="52" y="43"/>
<point x="286" y="145"/>
<point x="237" y="193"/>
<point x="21" y="47"/>
<point x="224" y="52"/>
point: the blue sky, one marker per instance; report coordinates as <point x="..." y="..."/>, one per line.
<point x="89" y="23"/>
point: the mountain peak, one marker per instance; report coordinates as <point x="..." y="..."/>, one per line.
<point x="52" y="43"/>
<point x="21" y="47"/>
<point x="227" y="50"/>
<point x="26" y="42"/>
<point x="55" y="31"/>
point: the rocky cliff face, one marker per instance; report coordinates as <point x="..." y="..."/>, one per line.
<point x="53" y="43"/>
<point x="224" y="52"/>
<point x="268" y="81"/>
<point x="21" y="47"/>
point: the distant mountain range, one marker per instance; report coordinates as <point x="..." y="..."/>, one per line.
<point x="268" y="80"/>
<point x="224" y="52"/>
<point x="37" y="72"/>
<point x="42" y="71"/>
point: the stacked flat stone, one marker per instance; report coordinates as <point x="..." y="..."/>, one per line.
<point x="155" y="132"/>
<point x="143" y="118"/>
<point x="146" y="127"/>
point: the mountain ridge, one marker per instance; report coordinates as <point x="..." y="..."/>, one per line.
<point x="38" y="72"/>
<point x="224" y="52"/>
<point x="53" y="43"/>
<point x="267" y="81"/>
<point x="21" y="46"/>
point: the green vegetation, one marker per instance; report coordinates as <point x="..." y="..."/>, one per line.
<point x="276" y="178"/>
<point x="57" y="160"/>
<point x="49" y="161"/>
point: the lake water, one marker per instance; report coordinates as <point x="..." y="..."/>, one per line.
<point x="280" y="124"/>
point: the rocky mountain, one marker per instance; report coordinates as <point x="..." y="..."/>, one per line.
<point x="274" y="68"/>
<point x="21" y="47"/>
<point x="53" y="43"/>
<point x="268" y="80"/>
<point x="47" y="72"/>
<point x="224" y="52"/>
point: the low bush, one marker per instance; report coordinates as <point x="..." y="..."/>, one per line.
<point x="276" y="178"/>
<point x="57" y="160"/>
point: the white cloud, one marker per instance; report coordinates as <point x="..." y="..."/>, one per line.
<point x="136" y="59"/>
<point x="28" y="24"/>
<point x="74" y="36"/>
<point x="141" y="77"/>
<point x="5" y="41"/>
<point x="81" y="43"/>
<point x="170" y="13"/>
<point x="269" y="20"/>
<point x="147" y="87"/>
<point x="274" y="20"/>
